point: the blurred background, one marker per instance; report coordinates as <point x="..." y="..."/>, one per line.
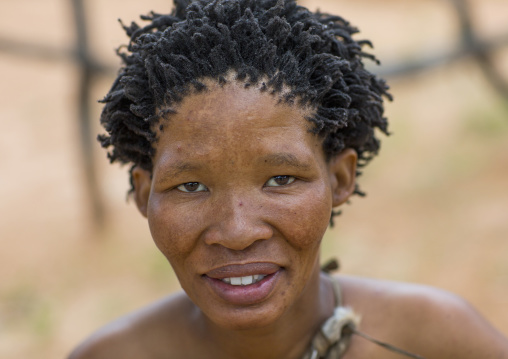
<point x="75" y="253"/>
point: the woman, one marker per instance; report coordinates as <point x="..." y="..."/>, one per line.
<point x="245" y="123"/>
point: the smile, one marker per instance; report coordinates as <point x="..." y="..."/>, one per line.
<point x="247" y="280"/>
<point x="244" y="284"/>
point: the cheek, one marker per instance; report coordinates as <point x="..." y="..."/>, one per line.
<point x="172" y="230"/>
<point x="307" y="219"/>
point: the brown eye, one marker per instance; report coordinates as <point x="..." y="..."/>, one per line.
<point x="277" y="181"/>
<point x="192" y="187"/>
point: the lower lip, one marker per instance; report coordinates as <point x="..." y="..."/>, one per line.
<point x="244" y="295"/>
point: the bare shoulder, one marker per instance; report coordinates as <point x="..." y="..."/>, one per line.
<point x="421" y="319"/>
<point x="146" y="333"/>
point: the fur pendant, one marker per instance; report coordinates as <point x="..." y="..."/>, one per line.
<point x="332" y="340"/>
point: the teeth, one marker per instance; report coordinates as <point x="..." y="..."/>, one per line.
<point x="258" y="277"/>
<point x="236" y="281"/>
<point x="247" y="280"/>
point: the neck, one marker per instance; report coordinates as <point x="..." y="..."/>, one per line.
<point x="288" y="337"/>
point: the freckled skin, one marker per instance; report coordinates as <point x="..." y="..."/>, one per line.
<point x="239" y="220"/>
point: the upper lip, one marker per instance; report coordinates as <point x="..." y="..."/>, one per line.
<point x="243" y="270"/>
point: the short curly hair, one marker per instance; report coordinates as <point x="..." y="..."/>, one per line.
<point x="310" y="59"/>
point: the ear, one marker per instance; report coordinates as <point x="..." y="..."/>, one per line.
<point x="342" y="170"/>
<point x="142" y="185"/>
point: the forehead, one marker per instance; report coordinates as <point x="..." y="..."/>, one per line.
<point x="234" y="114"/>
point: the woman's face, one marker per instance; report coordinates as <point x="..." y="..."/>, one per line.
<point x="239" y="200"/>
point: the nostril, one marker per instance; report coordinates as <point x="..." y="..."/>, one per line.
<point x="237" y="233"/>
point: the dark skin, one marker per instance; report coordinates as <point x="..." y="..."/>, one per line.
<point x="241" y="186"/>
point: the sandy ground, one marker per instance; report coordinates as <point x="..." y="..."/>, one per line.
<point x="436" y="211"/>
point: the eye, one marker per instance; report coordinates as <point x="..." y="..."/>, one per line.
<point x="192" y="187"/>
<point x="277" y="181"/>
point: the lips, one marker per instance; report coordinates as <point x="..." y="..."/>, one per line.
<point x="243" y="270"/>
<point x="243" y="284"/>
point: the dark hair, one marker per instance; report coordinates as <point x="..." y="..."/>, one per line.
<point x="308" y="58"/>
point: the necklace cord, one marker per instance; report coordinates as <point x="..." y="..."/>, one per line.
<point x="349" y="329"/>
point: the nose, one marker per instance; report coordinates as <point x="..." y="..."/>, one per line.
<point x="237" y="222"/>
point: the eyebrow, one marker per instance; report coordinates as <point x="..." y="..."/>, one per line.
<point x="283" y="158"/>
<point x="274" y="159"/>
<point x="177" y="168"/>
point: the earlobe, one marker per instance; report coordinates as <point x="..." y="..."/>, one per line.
<point x="342" y="169"/>
<point x="142" y="185"/>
